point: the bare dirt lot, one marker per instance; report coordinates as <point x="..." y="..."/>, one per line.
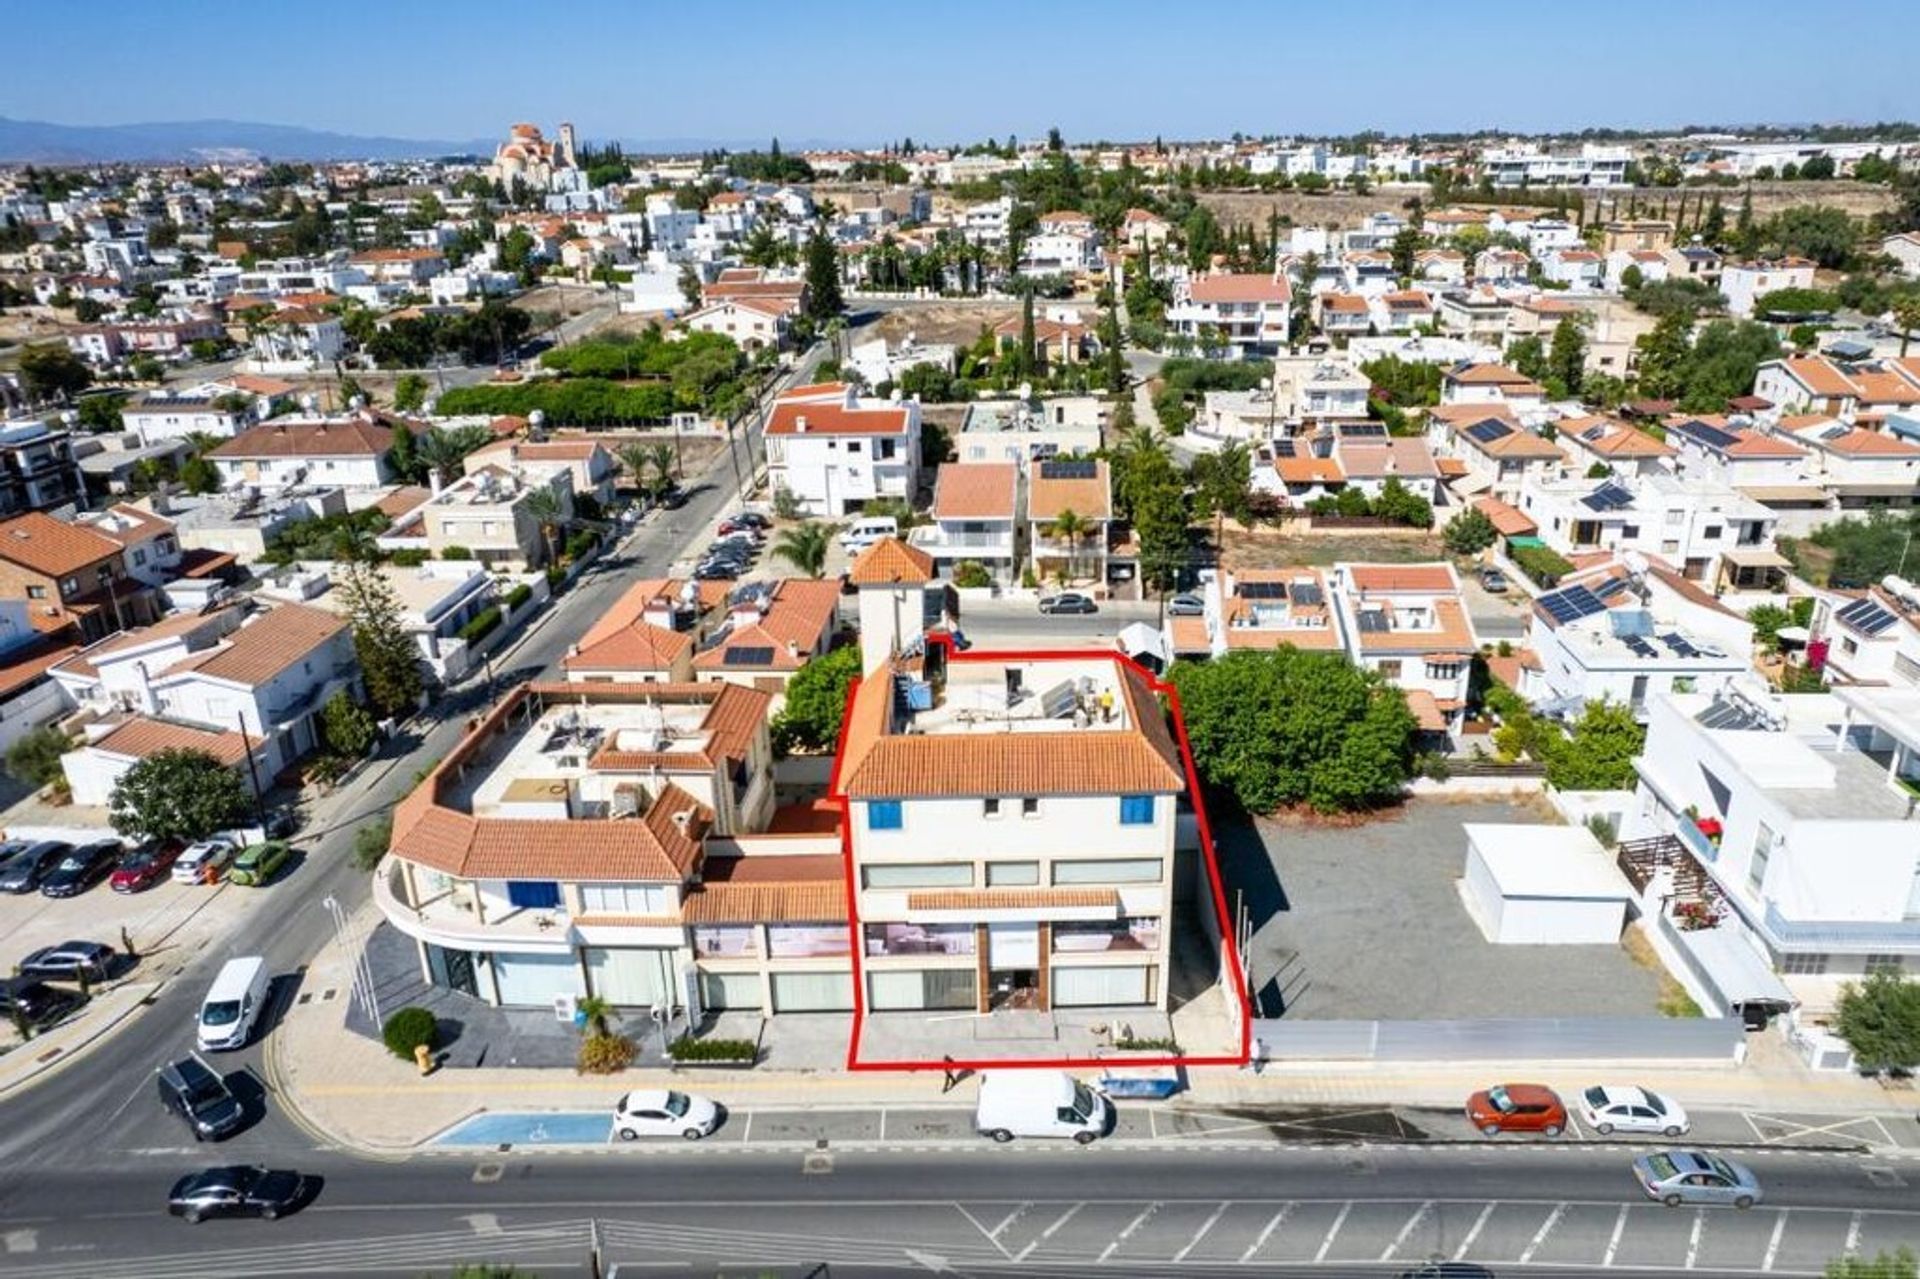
<point x="1265" y="547"/>
<point x="559" y="301"/>
<point x="958" y="322"/>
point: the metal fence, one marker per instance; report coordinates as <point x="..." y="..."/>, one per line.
<point x="1538" y="1039"/>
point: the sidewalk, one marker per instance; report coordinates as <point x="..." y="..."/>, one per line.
<point x="349" y="1091"/>
<point x="105" y="1012"/>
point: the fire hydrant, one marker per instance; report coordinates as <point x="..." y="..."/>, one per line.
<point x="423" y="1058"/>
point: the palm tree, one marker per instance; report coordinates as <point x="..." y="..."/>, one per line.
<point x="805" y="547"/>
<point x="440" y="452"/>
<point x="1070" y="528"/>
<point x="596" y="1011"/>
<point x="1906" y="313"/>
<point x="545" y="508"/>
<point x="665" y="461"/>
<point x="634" y="459"/>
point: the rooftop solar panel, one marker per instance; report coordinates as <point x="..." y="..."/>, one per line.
<point x="1867" y="616"/>
<point x="1608" y="497"/>
<point x="1364" y="430"/>
<point x="1284" y="448"/>
<point x="1678" y="643"/>
<point x="1711" y="436"/>
<point x="1068" y="469"/>
<point x="1263" y="590"/>
<point x="1305" y="593"/>
<point x="1571" y="603"/>
<point x="1488" y="431"/>
<point x="1374" y="620"/>
<point x="753" y="656"/>
<point x="1729" y="715"/>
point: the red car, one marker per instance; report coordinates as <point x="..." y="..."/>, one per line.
<point x="144" y="867"/>
<point x="1517" y="1108"/>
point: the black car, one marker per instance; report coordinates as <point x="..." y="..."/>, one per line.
<point x="81" y="869"/>
<point x="68" y="960"/>
<point x="1069" y="602"/>
<point x="196" y="1093"/>
<point x="673" y="499"/>
<point x="752" y="519"/>
<point x="36" y="1001"/>
<point x="716" y="571"/>
<point x="23" y="873"/>
<point x="236" y="1192"/>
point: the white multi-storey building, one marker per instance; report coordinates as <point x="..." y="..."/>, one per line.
<point x="834" y="451"/>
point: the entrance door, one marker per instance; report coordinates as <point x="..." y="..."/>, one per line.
<point x="452" y="969"/>
<point x="1016" y="989"/>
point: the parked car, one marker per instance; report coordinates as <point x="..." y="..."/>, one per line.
<point x="674" y="498"/>
<point x="746" y="519"/>
<point x="716" y="571"/>
<point x="81" y="869"/>
<point x="1186" y="605"/>
<point x="38" y="1002"/>
<point x="1069" y="602"/>
<point x="1607" y="1108"/>
<point x="144" y="867"/>
<point x="204" y="862"/>
<point x="1676" y="1177"/>
<point x="1493" y="581"/>
<point x="1517" y="1108"/>
<point x="23" y="873"/>
<point x="657" y="1113"/>
<point x="236" y="1192"/>
<point x="198" y="1094"/>
<point x="68" y="960"/>
<point x="11" y="849"/>
<point x="259" y="863"/>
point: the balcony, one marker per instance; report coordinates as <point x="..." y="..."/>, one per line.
<point x="1696" y="840"/>
<point x="937" y="541"/>
<point x="450" y="918"/>
<point x="1849" y="936"/>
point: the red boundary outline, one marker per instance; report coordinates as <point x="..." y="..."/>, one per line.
<point x="1230" y="953"/>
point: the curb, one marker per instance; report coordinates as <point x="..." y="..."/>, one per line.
<point x="42" y="1069"/>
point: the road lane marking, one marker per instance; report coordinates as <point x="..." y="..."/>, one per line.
<point x="1773" y="1240"/>
<point x="1853" y="1234"/>
<point x="1007" y="1220"/>
<point x="1406" y="1230"/>
<point x="883" y="1124"/>
<point x="1266" y="1234"/>
<point x="1613" y="1240"/>
<point x="989" y="1236"/>
<point x="1132" y="1226"/>
<point x="1202" y="1234"/>
<point x="22" y="1240"/>
<point x="1473" y="1233"/>
<point x="1540" y="1235"/>
<point x="1047" y="1234"/>
<point x="1693" y="1237"/>
<point x="1327" y="1244"/>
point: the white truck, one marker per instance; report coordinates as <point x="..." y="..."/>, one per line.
<point x="1040" y="1103"/>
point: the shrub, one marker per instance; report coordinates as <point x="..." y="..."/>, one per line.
<point x="556" y="577"/>
<point x="456" y="553"/>
<point x="1162" y="1044"/>
<point x="581" y="544"/>
<point x="1543" y="565"/>
<point x="483" y="623"/>
<point x="687" y="1048"/>
<point x="370" y="843"/>
<point x="971" y="573"/>
<point x="35" y="758"/>
<point x="606" y="1054"/>
<point x="409" y="557"/>
<point x="408" y="1029"/>
<point x="518" y="595"/>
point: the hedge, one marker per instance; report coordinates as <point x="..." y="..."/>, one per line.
<point x="585" y="401"/>
<point x="1546" y="567"/>
<point x="687" y="1048"/>
<point x="518" y="595"/>
<point x="456" y="553"/>
<point x="482" y="623"/>
<point x="407" y="1029"/>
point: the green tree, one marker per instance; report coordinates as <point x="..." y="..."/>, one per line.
<point x="442" y="449"/>
<point x="549" y="512"/>
<point x="1767" y="620"/>
<point x="1528" y="355"/>
<point x="35" y="758"/>
<point x="403" y="454"/>
<point x="1906" y="314"/>
<point x="1898" y="1264"/>
<point x="176" y="794"/>
<point x="1567" y="358"/>
<point x="816" y="701"/>
<point x="348" y="728"/>
<point x="1288" y="727"/>
<point x="1825" y="234"/>
<point x="409" y="392"/>
<point x="1664" y="356"/>
<point x="50" y="371"/>
<point x="1223" y="482"/>
<point x="824" y="298"/>
<point x="1599" y="753"/>
<point x="389" y="658"/>
<point x="805" y="547"/>
<point x="101" y="413"/>
<point x="1470" y="532"/>
<point x="1880" y="1020"/>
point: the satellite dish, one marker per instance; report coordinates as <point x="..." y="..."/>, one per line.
<point x="1026" y="390"/>
<point x="537" y="419"/>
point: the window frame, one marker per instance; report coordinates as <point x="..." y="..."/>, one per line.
<point x="885" y="814"/>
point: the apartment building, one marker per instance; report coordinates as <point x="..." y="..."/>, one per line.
<point x="834" y="451"/>
<point x="975" y="514"/>
<point x="38" y="469"/>
<point x="72" y="579"/>
<point x="1250" y="314"/>
<point x="1076" y="547"/>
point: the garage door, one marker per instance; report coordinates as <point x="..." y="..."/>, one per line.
<point x="737" y="991"/>
<point x="533" y="980"/>
<point x="628" y="976"/>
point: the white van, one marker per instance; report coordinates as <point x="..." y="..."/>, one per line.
<point x="1040" y="1103"/>
<point x="233" y="1004"/>
<point x="867" y="530"/>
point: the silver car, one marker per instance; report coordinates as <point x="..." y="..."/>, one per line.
<point x="1676" y="1177"/>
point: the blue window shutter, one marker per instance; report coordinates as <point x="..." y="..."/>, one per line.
<point x="533" y="894"/>
<point x="883" y="814"/>
<point x="1136" y="810"/>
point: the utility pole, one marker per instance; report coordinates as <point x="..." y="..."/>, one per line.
<point x="253" y="771"/>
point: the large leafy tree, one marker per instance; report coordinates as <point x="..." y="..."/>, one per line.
<point x="1294" y="727"/>
<point x="1880" y="1020"/>
<point x="177" y="794"/>
<point x="824" y="297"/>
<point x="51" y="372"/>
<point x="389" y="659"/>
<point x="1599" y="754"/>
<point x="1470" y="532"/>
<point x="1567" y="358"/>
<point x="816" y="702"/>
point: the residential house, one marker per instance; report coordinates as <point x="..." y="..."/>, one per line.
<point x="300" y="338"/>
<point x="1059" y="336"/>
<point x="1654" y="266"/>
<point x="1869" y="636"/>
<point x="1864" y="393"/>
<point x="1581" y="270"/>
<point x="1065" y="243"/>
<point x="495" y="515"/>
<point x="349" y="450"/>
<point x="1861" y="470"/>
<point x="1743" y="283"/>
<point x="649" y="634"/>
<point x="1636" y="235"/>
<point x="149" y="542"/>
<point x="437" y="601"/>
<point x="1491" y="384"/>
<point x="1369" y="459"/>
<point x="1712" y="533"/>
<point x="1476" y="315"/>
<point x="1142" y="230"/>
<point x="1904" y="248"/>
<point x="29" y="696"/>
<point x="1409" y="623"/>
<point x="72" y="579"/>
<point x="754" y="323"/>
<point x="38" y="469"/>
<point x="1499" y="266"/>
<point x="1342" y="315"/>
<point x="975" y="509"/>
<point x="1502" y="456"/>
<point x="1020" y="430"/>
<point x="1082" y="488"/>
<point x="1591" y="442"/>
<point x="593" y="469"/>
<point x="159" y="417"/>
<point x="1443" y="268"/>
<point x="1263" y="609"/>
<point x="1251" y="314"/>
<point x="767" y="631"/>
<point x="834" y="450"/>
<point x="876" y="362"/>
<point x="410" y="267"/>
<point x="1401" y="311"/>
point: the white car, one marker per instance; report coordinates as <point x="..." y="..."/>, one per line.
<point x="202" y="863"/>
<point x="1608" y="1108"/>
<point x="658" y="1113"/>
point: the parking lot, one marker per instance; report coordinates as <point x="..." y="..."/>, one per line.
<point x="1366" y="922"/>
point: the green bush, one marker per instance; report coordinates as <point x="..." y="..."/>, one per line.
<point x="481" y="625"/>
<point x="968" y="574"/>
<point x="581" y="544"/>
<point x="687" y="1048"/>
<point x="409" y="557"/>
<point x="518" y="595"/>
<point x="606" y="1054"/>
<point x="456" y="553"/>
<point x="408" y="1029"/>
<point x="1540" y="563"/>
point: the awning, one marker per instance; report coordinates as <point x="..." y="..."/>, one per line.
<point x="1733" y="968"/>
<point x="1508" y="520"/>
<point x="1472" y="482"/>
<point x="1756" y="557"/>
<point x="1770" y="493"/>
<point x="1426" y="710"/>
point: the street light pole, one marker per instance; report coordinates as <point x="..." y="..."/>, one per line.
<point x="363" y="988"/>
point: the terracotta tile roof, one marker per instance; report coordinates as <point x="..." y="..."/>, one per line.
<point x="656" y="848"/>
<point x="638" y="648"/>
<point x="1229" y="287"/>
<point x="1879" y="386"/>
<point x="1450" y="468"/>
<point x="1820" y="376"/>
<point x="262" y="648"/>
<point x="1508" y="520"/>
<point x="1343" y="303"/>
<point x="1310" y="470"/>
<point x="734" y="716"/>
<point x="800" y="617"/>
<point x="252" y="385"/>
<point x="1685" y="589"/>
<point x="821" y="817"/>
<point x="1402" y="577"/>
<point x="1864" y="443"/>
<point x="544" y="450"/>
<point x="975" y="490"/>
<point x="1487" y="375"/>
<point x="1189" y="635"/>
<point x="831" y="417"/>
<point x="634" y="602"/>
<point x="1406" y="458"/>
<point x="890" y="560"/>
<point x="402" y="500"/>
<point x="1467" y="414"/>
<point x="1426" y="710"/>
<point x="1507" y="669"/>
<point x="1089" y="498"/>
<point x="140" y="737"/>
<point x="53" y="547"/>
<point x="817" y="903"/>
<point x="1452" y="634"/>
<point x="354" y="437"/>
<point x="24" y="666"/>
<point x="1012" y="898"/>
<point x="1608" y="438"/>
<point x="86" y="662"/>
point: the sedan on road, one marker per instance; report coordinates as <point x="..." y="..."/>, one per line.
<point x="144" y="867"/>
<point x="23" y="873"/>
<point x="1068" y="602"/>
<point x="1608" y="1108"/>
<point x="68" y="960"/>
<point x="1676" y="1177"/>
<point x="656" y="1113"/>
<point x="81" y="869"/>
<point x="204" y="862"/>
<point x="259" y="863"/>
<point x="1517" y="1108"/>
<point x="1186" y="605"/>
<point x="236" y="1192"/>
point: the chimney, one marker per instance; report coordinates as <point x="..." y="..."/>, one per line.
<point x="681" y="818"/>
<point x="800" y="423"/>
<point x="433" y="480"/>
<point x="793" y="648"/>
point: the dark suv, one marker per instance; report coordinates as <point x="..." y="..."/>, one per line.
<point x="35" y="1001"/>
<point x="195" y="1091"/>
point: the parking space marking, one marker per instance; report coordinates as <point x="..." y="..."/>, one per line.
<point x="1853" y="1234"/>
<point x="1132" y="1226"/>
<point x="1413" y="1223"/>
<point x="1573" y="1124"/>
<point x="1333" y="1231"/>
<point x="1048" y="1233"/>
<point x="975" y="1223"/>
<point x="1267" y="1233"/>
<point x="1773" y="1240"/>
<point x="1540" y="1235"/>
<point x="1008" y="1220"/>
<point x="1759" y="1133"/>
<point x="1693" y="1236"/>
<point x="1202" y="1232"/>
<point x="1613" y="1240"/>
<point x="1473" y="1233"/>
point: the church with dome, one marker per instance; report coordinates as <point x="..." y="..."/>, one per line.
<point x="528" y="156"/>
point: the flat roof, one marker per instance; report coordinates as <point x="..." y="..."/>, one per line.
<point x="1564" y="862"/>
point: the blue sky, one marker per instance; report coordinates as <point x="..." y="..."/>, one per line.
<point x="859" y="71"/>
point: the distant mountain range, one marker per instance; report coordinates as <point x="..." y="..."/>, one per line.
<point x="40" y="142"/>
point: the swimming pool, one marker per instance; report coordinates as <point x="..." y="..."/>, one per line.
<point x="531" y="1128"/>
